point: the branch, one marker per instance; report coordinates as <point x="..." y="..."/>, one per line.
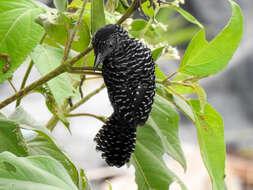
<point x="69" y="45"/>
<point x="177" y="94"/>
<point x="59" y="70"/>
<point x="62" y="68"/>
<point x="170" y="76"/>
<point x="54" y="119"/>
<point x="129" y="12"/>
<point x="12" y="85"/>
<point x="101" y="118"/>
<point x="86" y="98"/>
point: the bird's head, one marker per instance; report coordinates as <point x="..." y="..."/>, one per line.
<point x="105" y="41"/>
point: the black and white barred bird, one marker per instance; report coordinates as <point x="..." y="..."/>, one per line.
<point x="129" y="73"/>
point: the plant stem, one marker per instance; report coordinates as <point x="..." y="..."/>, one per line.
<point x="82" y="54"/>
<point x="177" y="94"/>
<point x="69" y="42"/>
<point x="84" y="72"/>
<point x="12" y="85"/>
<point x="54" y="119"/>
<point x="59" y="70"/>
<point x="149" y="23"/>
<point x="28" y="71"/>
<point x="29" y="68"/>
<point x="194" y="79"/>
<point x="129" y="12"/>
<point x="101" y="118"/>
<point x="62" y="68"/>
<point x="170" y="76"/>
<point x="86" y="98"/>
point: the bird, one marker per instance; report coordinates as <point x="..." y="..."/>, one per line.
<point x="128" y="70"/>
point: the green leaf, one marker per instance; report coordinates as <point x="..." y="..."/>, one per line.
<point x="33" y="172"/>
<point x="187" y="15"/>
<point x="164" y="120"/>
<point x="46" y="59"/>
<point x="197" y="44"/>
<point x="26" y="121"/>
<point x="158" y="136"/>
<point x="210" y="58"/>
<point x="159" y="74"/>
<point x="61" y="5"/>
<point x="210" y="133"/>
<point x="19" y="34"/>
<point x="11" y="138"/>
<point x="156" y="53"/>
<point x="181" y="104"/>
<point x="147" y="9"/>
<point x="97" y="15"/>
<point x="56" y="27"/>
<point x="138" y="25"/>
<point x="121" y="8"/>
<point x="40" y="145"/>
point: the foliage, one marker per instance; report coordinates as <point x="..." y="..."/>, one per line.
<point x="56" y="42"/>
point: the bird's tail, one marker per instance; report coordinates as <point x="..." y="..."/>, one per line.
<point x="116" y="141"/>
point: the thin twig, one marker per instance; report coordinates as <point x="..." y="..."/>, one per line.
<point x="12" y="85"/>
<point x="68" y="47"/>
<point x="59" y="70"/>
<point x="28" y="71"/>
<point x="149" y="22"/>
<point x="93" y="78"/>
<point x="29" y="68"/>
<point x="84" y="72"/>
<point x="80" y="56"/>
<point x="54" y="119"/>
<point x="193" y="79"/>
<point x="84" y="68"/>
<point x="177" y="94"/>
<point x="86" y="98"/>
<point x="170" y="76"/>
<point x="129" y="12"/>
<point x="101" y="118"/>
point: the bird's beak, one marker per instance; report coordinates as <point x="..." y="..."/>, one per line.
<point x="98" y="60"/>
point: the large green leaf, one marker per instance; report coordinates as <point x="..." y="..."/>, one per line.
<point x="33" y="172"/>
<point x="209" y="125"/>
<point x="97" y="15"/>
<point x="40" y="145"/>
<point x="158" y="136"/>
<point x="203" y="58"/>
<point x="45" y="145"/>
<point x="46" y="59"/>
<point x="19" y="34"/>
<point x="11" y="138"/>
<point x="164" y="120"/>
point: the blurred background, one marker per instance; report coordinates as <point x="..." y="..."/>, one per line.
<point x="229" y="92"/>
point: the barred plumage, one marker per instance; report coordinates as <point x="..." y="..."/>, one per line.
<point x="129" y="74"/>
